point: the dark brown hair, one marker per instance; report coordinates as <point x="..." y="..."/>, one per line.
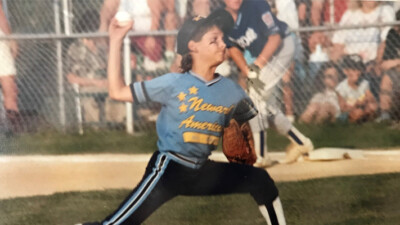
<point x="187" y="60"/>
<point x="186" y="63"/>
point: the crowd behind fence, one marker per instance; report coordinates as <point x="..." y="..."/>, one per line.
<point x="61" y="61"/>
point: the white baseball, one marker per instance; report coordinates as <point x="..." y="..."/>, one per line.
<point x="123" y="18"/>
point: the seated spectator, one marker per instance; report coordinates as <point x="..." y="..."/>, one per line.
<point x="373" y="74"/>
<point x="86" y="65"/>
<point x="8" y="51"/>
<point x="324" y="106"/>
<point x="363" y="41"/>
<point x="148" y="16"/>
<point x="357" y="101"/>
<point x="389" y="97"/>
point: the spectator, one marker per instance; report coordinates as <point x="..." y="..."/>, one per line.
<point x="358" y="103"/>
<point x="200" y="7"/>
<point x="321" y="11"/>
<point x="187" y="8"/>
<point x="147" y="16"/>
<point x="390" y="90"/>
<point x="304" y="12"/>
<point x="366" y="42"/>
<point x="324" y="106"/>
<point x="8" y="52"/>
<point x="390" y="58"/>
<point x="373" y="74"/>
<point x="86" y="63"/>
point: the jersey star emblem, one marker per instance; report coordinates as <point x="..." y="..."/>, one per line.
<point x="183" y="108"/>
<point x="193" y="90"/>
<point x="181" y="96"/>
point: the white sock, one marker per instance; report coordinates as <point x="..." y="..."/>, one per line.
<point x="276" y="209"/>
<point x="296" y="137"/>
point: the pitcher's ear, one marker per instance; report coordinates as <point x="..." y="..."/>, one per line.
<point x="192" y="46"/>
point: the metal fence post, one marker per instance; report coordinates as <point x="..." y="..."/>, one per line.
<point x="60" y="79"/>
<point x="128" y="80"/>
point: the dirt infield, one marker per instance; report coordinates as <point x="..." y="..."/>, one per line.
<point x="23" y="176"/>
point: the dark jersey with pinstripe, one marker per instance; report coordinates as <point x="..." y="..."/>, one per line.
<point x="254" y="24"/>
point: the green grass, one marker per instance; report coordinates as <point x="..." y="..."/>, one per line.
<point x="356" y="200"/>
<point x="90" y="142"/>
<point x="365" y="136"/>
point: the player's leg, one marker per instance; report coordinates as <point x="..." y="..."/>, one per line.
<point x="259" y="126"/>
<point x="149" y="194"/>
<point x="225" y="178"/>
<point x="271" y="74"/>
<point x="300" y="144"/>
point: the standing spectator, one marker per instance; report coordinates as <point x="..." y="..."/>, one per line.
<point x="320" y="16"/>
<point x="359" y="104"/>
<point x="321" y="11"/>
<point x="200" y="7"/>
<point x="86" y="63"/>
<point x="324" y="106"/>
<point x="148" y="15"/>
<point x="8" y="52"/>
<point x="261" y="45"/>
<point x="304" y="12"/>
<point x="187" y="8"/>
<point x="363" y="41"/>
<point x="390" y="90"/>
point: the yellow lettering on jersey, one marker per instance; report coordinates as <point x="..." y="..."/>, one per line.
<point x="194" y="137"/>
<point x="198" y="105"/>
<point x="191" y="123"/>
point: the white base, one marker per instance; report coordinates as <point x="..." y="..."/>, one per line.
<point x="323" y="154"/>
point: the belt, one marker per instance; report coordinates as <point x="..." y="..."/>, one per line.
<point x="191" y="162"/>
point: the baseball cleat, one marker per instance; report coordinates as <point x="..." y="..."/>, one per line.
<point x="295" y="151"/>
<point x="265" y="162"/>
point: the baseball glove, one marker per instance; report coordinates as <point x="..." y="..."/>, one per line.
<point x="238" y="143"/>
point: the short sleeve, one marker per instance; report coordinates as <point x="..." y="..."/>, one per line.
<point x="269" y="24"/>
<point x="387" y="15"/>
<point x="390" y="47"/>
<point x="155" y="90"/>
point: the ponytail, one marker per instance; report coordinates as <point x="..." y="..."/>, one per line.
<point x="186" y="63"/>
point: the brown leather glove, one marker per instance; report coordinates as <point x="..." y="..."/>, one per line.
<point x="238" y="143"/>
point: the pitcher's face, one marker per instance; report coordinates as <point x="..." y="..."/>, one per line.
<point x="211" y="47"/>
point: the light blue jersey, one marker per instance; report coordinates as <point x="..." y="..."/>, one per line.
<point x="194" y="112"/>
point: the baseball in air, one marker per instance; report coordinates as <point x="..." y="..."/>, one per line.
<point x="123" y="18"/>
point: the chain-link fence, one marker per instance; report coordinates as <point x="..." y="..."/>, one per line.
<point x="61" y="62"/>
